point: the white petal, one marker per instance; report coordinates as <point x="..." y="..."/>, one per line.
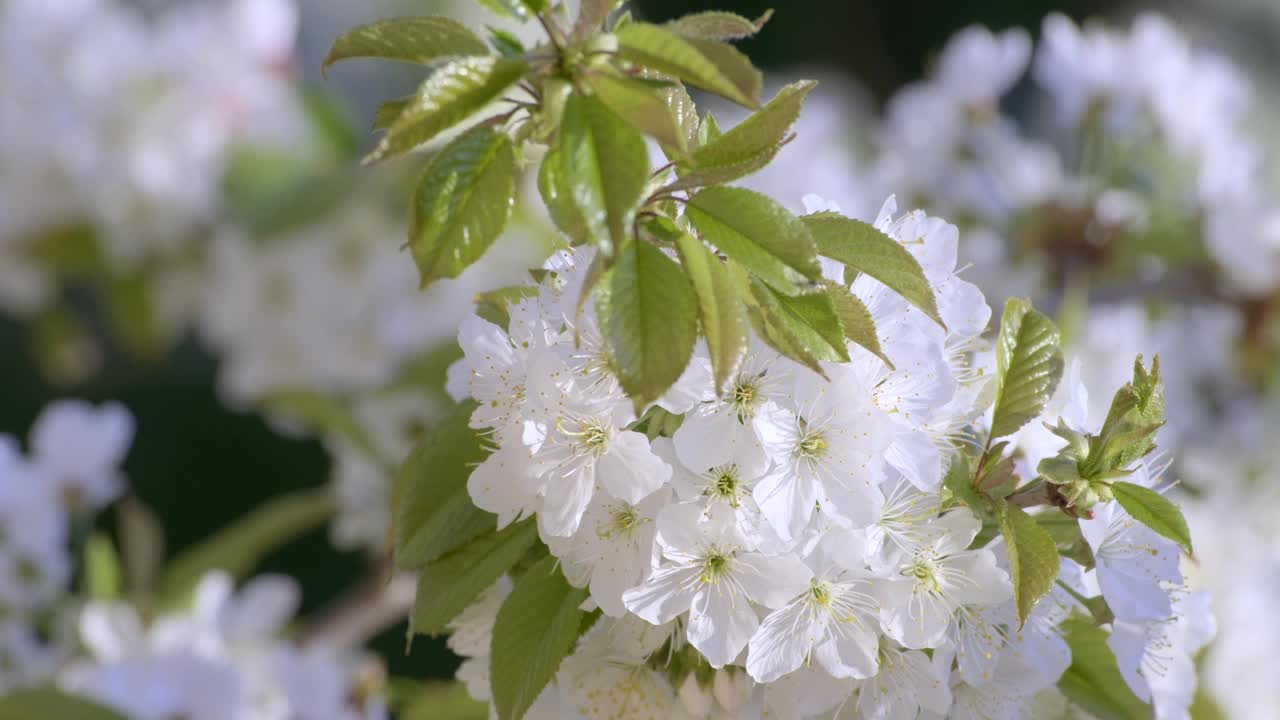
<point x="850" y="652"/>
<point x="984" y="582"/>
<point x="1128" y="641"/>
<point x="852" y="500"/>
<point x="668" y="592"/>
<point x="111" y="632"/>
<point x="721" y="623"/>
<point x="498" y="485"/>
<point x="771" y="580"/>
<point x="630" y="471"/>
<point x="786" y="499"/>
<point x="568" y="491"/>
<point x="914" y="455"/>
<point x="956" y="530"/>
<point x="782" y="643"/>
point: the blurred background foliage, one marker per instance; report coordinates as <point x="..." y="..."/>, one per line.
<point x="199" y="465"/>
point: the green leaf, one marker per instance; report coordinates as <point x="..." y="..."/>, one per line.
<point x="132" y="313"/>
<point x="1064" y="529"/>
<point x="536" y="628"/>
<point x="648" y="318"/>
<point x="495" y="305"/>
<point x="685" y="113"/>
<point x="40" y="703"/>
<point x="389" y="111"/>
<point x="643" y="104"/>
<point x="1028" y="365"/>
<point x="748" y="146"/>
<point x="518" y="10"/>
<point x="959" y="481"/>
<point x="449" y="96"/>
<point x="142" y="543"/>
<point x="419" y="40"/>
<point x="462" y="203"/>
<point x="708" y="129"/>
<point x="1204" y="707"/>
<point x="323" y="415"/>
<point x="434" y="513"/>
<point x="733" y="64"/>
<point x="606" y="167"/>
<point x="717" y="25"/>
<point x="719" y="305"/>
<point x="1155" y="511"/>
<point x="759" y="233"/>
<point x="103" y="573"/>
<point x="439" y="700"/>
<point x="506" y="43"/>
<point x="1136" y="413"/>
<point x="1093" y="681"/>
<point x="1033" y="558"/>
<point x="239" y="547"/>
<point x="667" y="52"/>
<point x="864" y="248"/>
<point x="553" y="185"/>
<point x="803" y="327"/>
<point x="451" y="583"/>
<point x="855" y="319"/>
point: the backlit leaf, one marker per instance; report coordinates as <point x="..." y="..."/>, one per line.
<point x="462" y="203"/>
<point x="411" y="39"/>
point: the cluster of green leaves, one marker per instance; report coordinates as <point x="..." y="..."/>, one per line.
<point x="1029" y="365"/>
<point x="680" y="254"/>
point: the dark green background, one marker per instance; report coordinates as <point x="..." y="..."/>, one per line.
<point x="199" y="465"/>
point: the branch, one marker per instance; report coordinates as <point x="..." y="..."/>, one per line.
<point x="352" y="620"/>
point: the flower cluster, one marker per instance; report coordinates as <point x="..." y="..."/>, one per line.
<point x="223" y="656"/>
<point x="72" y="470"/>
<point x="144" y="111"/>
<point x="1143" y="134"/>
<point x="788" y="541"/>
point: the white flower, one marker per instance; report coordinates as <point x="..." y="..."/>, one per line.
<point x="806" y="693"/>
<point x="977" y="66"/>
<point x="937" y="578"/>
<point x="834" y="623"/>
<point x="726" y="488"/>
<point x="1157" y="659"/>
<point x="613" y="547"/>
<point x="906" y="684"/>
<point x="221" y="659"/>
<point x="1133" y="563"/>
<point x="471" y="634"/>
<point x="989" y="701"/>
<point x="903" y="525"/>
<point x="826" y="453"/>
<point x="717" y="431"/>
<point x="603" y="684"/>
<point x="709" y="574"/>
<point x="583" y="443"/>
<point x="78" y="448"/>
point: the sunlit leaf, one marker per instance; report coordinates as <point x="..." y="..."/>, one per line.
<point x="864" y="248"/>
<point x="1155" y="511"/>
<point x="535" y="629"/>
<point x="703" y="63"/>
<point x="1033" y="558"/>
<point x="452" y="94"/>
<point x="758" y="233"/>
<point x="1028" y="365"/>
<point x="411" y="39"/>
<point x="648" y="318"/>
<point x="462" y="203"/>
